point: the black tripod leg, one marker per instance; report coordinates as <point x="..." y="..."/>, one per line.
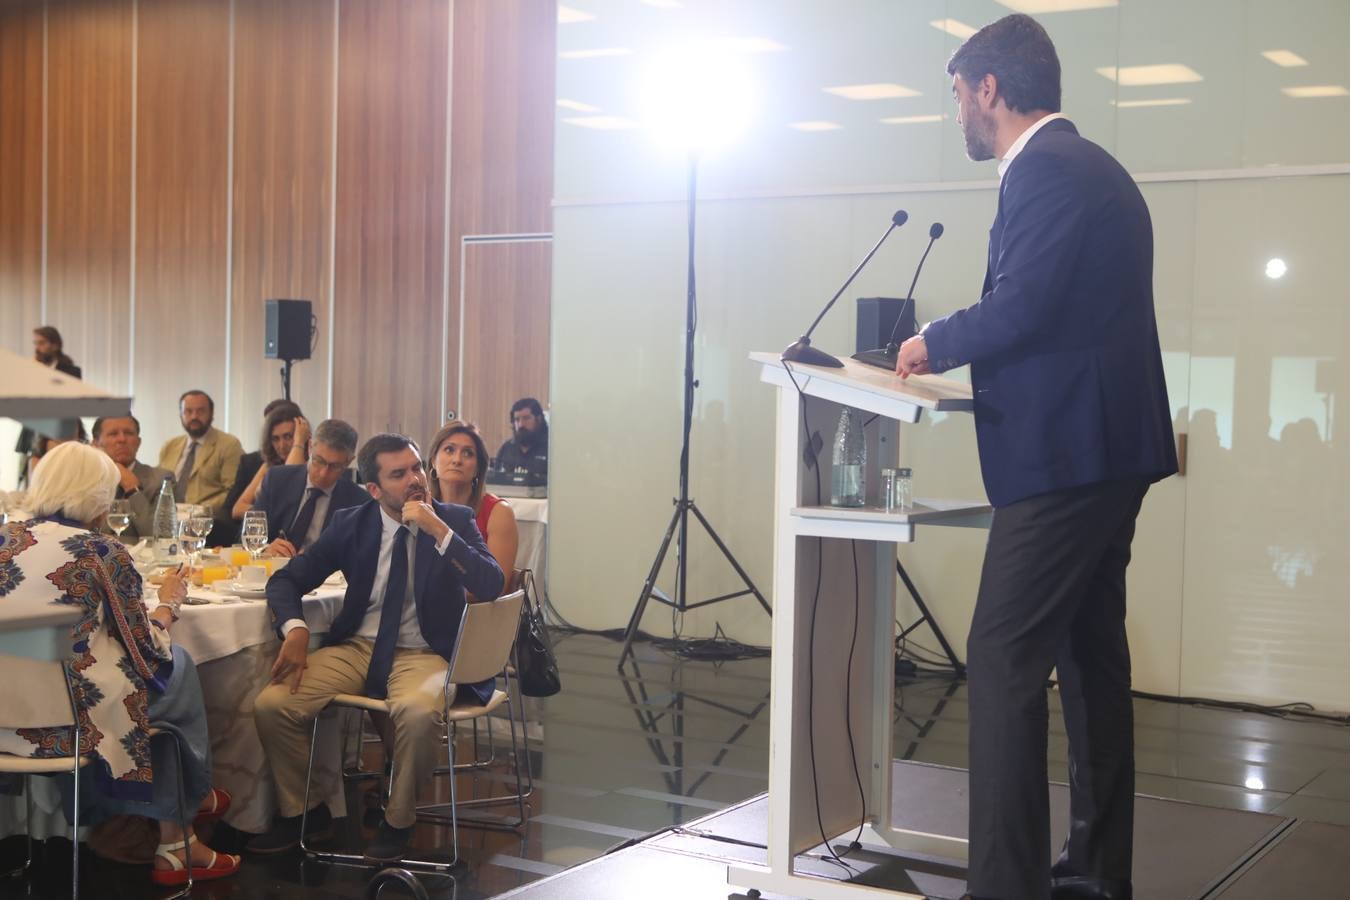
<point x="712" y="533"/>
<point x="928" y="617"/>
<point x="636" y="619"/>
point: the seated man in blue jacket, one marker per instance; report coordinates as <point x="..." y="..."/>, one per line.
<point x="408" y="561"/>
<point x="300" y="500"/>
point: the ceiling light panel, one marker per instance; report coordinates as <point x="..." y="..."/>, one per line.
<point x="1286" y="58"/>
<point x="1143" y="76"/>
<point x="959" y="30"/>
<point x="878" y="91"/>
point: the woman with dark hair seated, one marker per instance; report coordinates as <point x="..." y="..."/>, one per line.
<point x="457" y="465"/>
<point x="284" y="442"/>
<point x="124" y="672"/>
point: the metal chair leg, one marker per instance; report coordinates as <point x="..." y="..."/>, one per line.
<point x="333" y="856"/>
<point x="75" y="825"/>
<point x="28" y="802"/>
<point x="182" y="817"/>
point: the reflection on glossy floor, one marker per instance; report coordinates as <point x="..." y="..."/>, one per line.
<point x="620" y="758"/>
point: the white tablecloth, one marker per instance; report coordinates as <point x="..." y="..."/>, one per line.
<point x="532" y="523"/>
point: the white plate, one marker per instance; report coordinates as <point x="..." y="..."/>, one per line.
<point x="242" y="590"/>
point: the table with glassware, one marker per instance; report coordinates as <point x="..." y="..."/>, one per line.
<point x="229" y="634"/>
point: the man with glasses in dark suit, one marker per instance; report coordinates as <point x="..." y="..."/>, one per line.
<point x="300" y="499"/>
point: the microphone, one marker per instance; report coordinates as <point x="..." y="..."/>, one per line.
<point x="885" y="357"/>
<point x="801" y="350"/>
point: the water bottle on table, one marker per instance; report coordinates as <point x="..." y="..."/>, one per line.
<point x="166" y="521"/>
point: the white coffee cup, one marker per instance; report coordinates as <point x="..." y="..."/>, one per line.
<point x="253" y="576"/>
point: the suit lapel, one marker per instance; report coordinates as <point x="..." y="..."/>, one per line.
<point x="368" y="536"/>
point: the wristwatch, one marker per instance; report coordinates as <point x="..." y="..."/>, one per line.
<point x="172" y="608"/>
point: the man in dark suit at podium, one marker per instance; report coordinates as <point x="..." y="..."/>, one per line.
<point x="1073" y="425"/>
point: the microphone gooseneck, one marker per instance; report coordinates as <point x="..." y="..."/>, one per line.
<point x="801" y="350"/>
<point x="934" y="232"/>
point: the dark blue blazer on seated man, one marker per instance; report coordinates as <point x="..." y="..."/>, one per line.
<point x="1063" y="345"/>
<point x="283" y="490"/>
<point x="351" y="545"/>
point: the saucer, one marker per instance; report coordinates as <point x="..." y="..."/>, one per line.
<point x="238" y="588"/>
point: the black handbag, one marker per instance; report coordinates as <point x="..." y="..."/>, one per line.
<point x="536" y="666"/>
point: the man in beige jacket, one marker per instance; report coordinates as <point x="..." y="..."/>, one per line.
<point x="203" y="461"/>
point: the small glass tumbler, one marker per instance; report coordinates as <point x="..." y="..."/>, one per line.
<point x="897" y="490"/>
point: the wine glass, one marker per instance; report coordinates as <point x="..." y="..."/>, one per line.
<point x="188" y="540"/>
<point x="253" y="535"/>
<point x="119" y="517"/>
<point x="201" y="522"/>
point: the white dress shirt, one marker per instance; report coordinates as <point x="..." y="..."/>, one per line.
<point x="1021" y="142"/>
<point x="410" y="630"/>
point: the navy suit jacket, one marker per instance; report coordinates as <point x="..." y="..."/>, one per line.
<point x="1063" y="345"/>
<point x="283" y="490"/>
<point x="351" y="544"/>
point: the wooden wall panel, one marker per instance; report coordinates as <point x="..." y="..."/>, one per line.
<point x="21" y="171"/>
<point x="505" y="286"/>
<point x="174" y="209"/>
<point x="502" y="165"/>
<point x="182" y="100"/>
<point x="501" y="182"/>
<point x="390" y="267"/>
<point x="89" y="185"/>
<point x="282" y="195"/>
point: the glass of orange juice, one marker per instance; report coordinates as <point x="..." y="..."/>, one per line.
<point x="212" y="574"/>
<point x="239" y="557"/>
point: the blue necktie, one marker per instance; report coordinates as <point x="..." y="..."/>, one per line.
<point x="304" y="518"/>
<point x="391" y="616"/>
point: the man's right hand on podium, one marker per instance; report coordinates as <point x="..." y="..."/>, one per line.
<point x="912" y="358"/>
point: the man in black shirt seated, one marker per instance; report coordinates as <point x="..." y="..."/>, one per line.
<point x="528" y="448"/>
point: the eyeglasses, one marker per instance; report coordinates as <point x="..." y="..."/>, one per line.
<point x="320" y="464"/>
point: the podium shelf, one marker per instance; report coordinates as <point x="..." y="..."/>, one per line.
<point x="875" y="523"/>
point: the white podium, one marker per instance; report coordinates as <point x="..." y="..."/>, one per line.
<point x="814" y="692"/>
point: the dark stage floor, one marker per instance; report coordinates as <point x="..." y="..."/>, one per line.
<point x="617" y="759"/>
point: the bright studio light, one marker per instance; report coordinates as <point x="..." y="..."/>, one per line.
<point x="1275" y="268"/>
<point x="698" y="97"/>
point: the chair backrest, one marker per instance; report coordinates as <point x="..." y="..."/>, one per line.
<point x="40" y="696"/>
<point x="516" y="581"/>
<point x="486" y="634"/>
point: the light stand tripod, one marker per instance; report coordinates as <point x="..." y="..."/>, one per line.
<point x="684" y="505"/>
<point x="926" y="616"/>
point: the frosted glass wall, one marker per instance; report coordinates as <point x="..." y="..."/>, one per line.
<point x="1238" y="584"/>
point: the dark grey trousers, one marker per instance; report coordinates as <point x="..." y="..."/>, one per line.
<point x="1052" y="595"/>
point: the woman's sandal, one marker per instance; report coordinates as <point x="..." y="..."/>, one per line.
<point x="216" y="804"/>
<point x="178" y="875"/>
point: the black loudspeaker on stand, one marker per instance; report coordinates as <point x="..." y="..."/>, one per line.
<point x="678" y="529"/>
<point x="289" y="328"/>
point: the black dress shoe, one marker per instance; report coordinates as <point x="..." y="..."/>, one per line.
<point x="1085" y="887"/>
<point x="390" y="843"/>
<point x="285" y="831"/>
